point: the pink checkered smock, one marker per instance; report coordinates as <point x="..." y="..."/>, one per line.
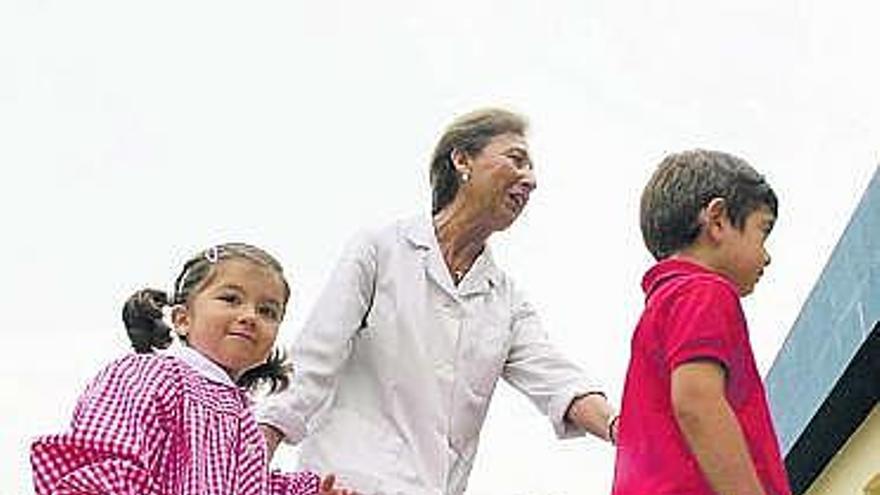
<point x="162" y="424"/>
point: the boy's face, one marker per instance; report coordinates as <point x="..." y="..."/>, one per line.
<point x="742" y="255"/>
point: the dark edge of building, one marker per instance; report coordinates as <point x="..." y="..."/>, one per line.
<point x="848" y="404"/>
<point x="825" y="379"/>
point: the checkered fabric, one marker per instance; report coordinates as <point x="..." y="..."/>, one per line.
<point x="152" y="425"/>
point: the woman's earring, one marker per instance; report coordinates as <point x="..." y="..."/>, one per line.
<point x="465" y="176"/>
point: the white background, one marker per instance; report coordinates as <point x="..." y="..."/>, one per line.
<point x="133" y="133"/>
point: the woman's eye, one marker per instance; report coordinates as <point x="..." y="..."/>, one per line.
<point x="518" y="160"/>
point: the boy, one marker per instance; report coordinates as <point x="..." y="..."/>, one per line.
<point x="695" y="418"/>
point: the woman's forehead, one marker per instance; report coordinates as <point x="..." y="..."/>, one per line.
<point x="507" y="141"/>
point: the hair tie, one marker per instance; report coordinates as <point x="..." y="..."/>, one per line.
<point x="212" y="254"/>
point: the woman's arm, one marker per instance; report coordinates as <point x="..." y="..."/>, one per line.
<point x="558" y="387"/>
<point x="323" y="345"/>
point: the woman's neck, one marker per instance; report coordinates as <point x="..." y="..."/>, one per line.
<point x="461" y="235"/>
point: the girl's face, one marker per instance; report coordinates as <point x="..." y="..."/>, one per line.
<point x="234" y="318"/>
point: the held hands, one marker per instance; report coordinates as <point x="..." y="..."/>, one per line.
<point x="327" y="487"/>
<point x="593" y="413"/>
<point x="273" y="437"/>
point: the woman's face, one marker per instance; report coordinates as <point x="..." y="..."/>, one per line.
<point x="501" y="179"/>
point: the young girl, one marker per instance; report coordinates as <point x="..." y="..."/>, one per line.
<point x="178" y="421"/>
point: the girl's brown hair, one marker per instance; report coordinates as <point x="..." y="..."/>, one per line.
<point x="147" y="330"/>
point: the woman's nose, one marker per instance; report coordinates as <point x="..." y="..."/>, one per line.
<point x="529" y="180"/>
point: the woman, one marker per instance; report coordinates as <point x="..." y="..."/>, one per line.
<point x="398" y="361"/>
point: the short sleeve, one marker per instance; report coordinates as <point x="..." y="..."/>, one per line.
<point x="704" y="322"/>
<point x="113" y="436"/>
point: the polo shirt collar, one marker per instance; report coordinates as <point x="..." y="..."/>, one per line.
<point x="672" y="268"/>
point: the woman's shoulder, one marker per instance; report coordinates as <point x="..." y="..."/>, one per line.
<point x="367" y="242"/>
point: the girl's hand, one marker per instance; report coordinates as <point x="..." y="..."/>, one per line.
<point x="327" y="487"/>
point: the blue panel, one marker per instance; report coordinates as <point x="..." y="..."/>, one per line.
<point x="837" y="317"/>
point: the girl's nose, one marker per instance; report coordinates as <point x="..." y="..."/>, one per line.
<point x="248" y="313"/>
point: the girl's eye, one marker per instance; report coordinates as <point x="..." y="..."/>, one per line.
<point x="270" y="312"/>
<point x="229" y="298"/>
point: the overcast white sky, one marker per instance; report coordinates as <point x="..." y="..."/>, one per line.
<point x="132" y="133"/>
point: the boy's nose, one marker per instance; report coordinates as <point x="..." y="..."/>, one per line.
<point x="766" y="258"/>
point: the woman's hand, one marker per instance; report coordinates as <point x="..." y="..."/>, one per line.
<point x="593" y="413"/>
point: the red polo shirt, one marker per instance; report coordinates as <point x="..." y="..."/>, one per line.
<point x="690" y="313"/>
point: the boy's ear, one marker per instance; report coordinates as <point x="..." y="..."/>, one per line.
<point x="713" y="218"/>
<point x="180" y="319"/>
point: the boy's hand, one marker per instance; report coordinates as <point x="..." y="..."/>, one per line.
<point x="711" y="429"/>
<point x="327" y="487"/>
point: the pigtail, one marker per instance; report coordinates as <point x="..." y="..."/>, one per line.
<point x="142" y="314"/>
<point x="275" y="371"/>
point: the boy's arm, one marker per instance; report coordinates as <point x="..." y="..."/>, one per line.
<point x="711" y="428"/>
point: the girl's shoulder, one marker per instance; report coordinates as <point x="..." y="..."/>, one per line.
<point x="134" y="385"/>
<point x="152" y="364"/>
<point x="152" y="374"/>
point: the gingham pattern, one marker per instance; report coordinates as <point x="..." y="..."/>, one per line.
<point x="152" y="425"/>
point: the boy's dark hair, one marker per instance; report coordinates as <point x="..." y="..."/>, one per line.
<point x="142" y="312"/>
<point x="469" y="133"/>
<point x="684" y="183"/>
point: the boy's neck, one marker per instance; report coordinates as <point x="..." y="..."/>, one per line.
<point x="699" y="255"/>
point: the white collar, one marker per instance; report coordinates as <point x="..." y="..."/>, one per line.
<point x="420" y="232"/>
<point x="199" y="362"/>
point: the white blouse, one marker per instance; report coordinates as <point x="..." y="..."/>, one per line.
<point x="395" y="366"/>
